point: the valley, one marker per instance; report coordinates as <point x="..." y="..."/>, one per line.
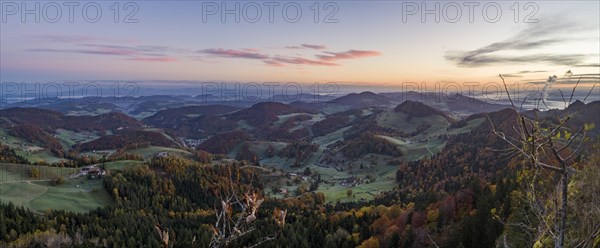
<point x="417" y="133"/>
<point x="355" y="150"/>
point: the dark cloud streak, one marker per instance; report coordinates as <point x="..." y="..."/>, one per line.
<point x="533" y="37"/>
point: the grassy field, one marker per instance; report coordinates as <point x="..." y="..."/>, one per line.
<point x="39" y="156"/>
<point x="260" y="147"/>
<point x="99" y="153"/>
<point x="69" y="138"/>
<point x="149" y="152"/>
<point x="76" y="195"/>
<point x="121" y="165"/>
<point x="26" y="149"/>
<point x="381" y="177"/>
<point x="331" y="137"/>
<point x="415" y="150"/>
<point x="382" y="180"/>
<point x="10" y="140"/>
<point x="18" y="172"/>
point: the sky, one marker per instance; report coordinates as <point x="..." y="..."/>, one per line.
<point x="372" y="43"/>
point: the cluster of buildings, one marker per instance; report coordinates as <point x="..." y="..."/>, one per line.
<point x="92" y="172"/>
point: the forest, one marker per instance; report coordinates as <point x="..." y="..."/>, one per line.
<point x="180" y="195"/>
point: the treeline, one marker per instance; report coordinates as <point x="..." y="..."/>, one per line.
<point x="8" y="155"/>
<point x="461" y="219"/>
<point x="298" y="150"/>
<point x="294" y="121"/>
<point x="284" y="134"/>
<point x="472" y="154"/>
<point x="369" y="143"/>
<point x="330" y="124"/>
<point x="33" y="134"/>
<point x="125" y="139"/>
<point x="180" y="196"/>
<point x="223" y="143"/>
<point x="246" y="153"/>
<point x="367" y="125"/>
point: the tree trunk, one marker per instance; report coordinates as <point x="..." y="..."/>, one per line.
<point x="560" y="242"/>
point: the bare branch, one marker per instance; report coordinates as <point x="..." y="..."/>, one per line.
<point x="563" y="97"/>
<point x="573" y="92"/>
<point x="590" y="92"/>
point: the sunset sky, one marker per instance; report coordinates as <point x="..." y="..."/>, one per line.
<point x="369" y="44"/>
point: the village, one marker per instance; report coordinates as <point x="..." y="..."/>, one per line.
<point x="91" y="172"/>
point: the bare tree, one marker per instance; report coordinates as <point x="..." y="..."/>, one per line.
<point x="236" y="217"/>
<point x="549" y="147"/>
<point x="164" y="236"/>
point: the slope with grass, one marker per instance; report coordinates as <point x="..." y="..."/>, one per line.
<point x="75" y="195"/>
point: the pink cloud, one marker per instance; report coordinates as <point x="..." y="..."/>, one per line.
<point x="162" y="59"/>
<point x="350" y="54"/>
<point x="135" y="53"/>
<point x="253" y="50"/>
<point x="77" y="38"/>
<point x="273" y="63"/>
<point x="300" y="61"/>
<point x="100" y="51"/>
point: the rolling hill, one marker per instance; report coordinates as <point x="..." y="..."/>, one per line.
<point x="361" y="100"/>
<point x="49" y="120"/>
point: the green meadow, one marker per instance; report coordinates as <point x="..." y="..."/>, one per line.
<point x="75" y="195"/>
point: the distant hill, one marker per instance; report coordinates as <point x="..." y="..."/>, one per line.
<point x="43" y="118"/>
<point x="204" y="121"/>
<point x="368" y="143"/>
<point x="336" y="121"/>
<point x="264" y="113"/>
<point x="80" y="107"/>
<point x="448" y="102"/>
<point x="177" y="117"/>
<point x="361" y="100"/>
<point x="49" y="120"/>
<point x="72" y="106"/>
<point x="33" y="134"/>
<point x="418" y="109"/>
<point x="224" y="142"/>
<point x="128" y="138"/>
<point x="579" y="114"/>
<point x="111" y="121"/>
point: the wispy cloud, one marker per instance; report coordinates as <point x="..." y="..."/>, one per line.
<point x="572" y="79"/>
<point x="587" y="65"/>
<point x="232" y="53"/>
<point x="112" y="52"/>
<point x="153" y="53"/>
<point x="163" y="59"/>
<point x="350" y="54"/>
<point x="520" y="73"/>
<point x="325" y="59"/>
<point x="309" y="46"/>
<point x="299" y="61"/>
<point x="535" y="36"/>
<point x="82" y="45"/>
<point x="60" y="38"/>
